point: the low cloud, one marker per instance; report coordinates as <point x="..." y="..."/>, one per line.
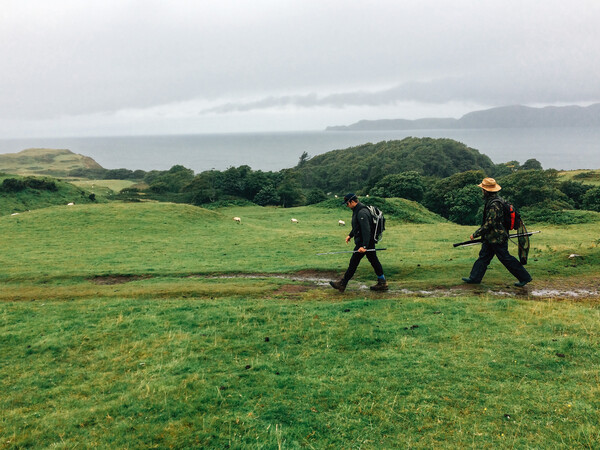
<point x="494" y="91"/>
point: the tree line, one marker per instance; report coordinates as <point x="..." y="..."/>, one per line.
<point x="441" y="174"/>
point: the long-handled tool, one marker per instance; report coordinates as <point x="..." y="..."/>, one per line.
<point x="479" y="241"/>
<point x="353" y="251"/>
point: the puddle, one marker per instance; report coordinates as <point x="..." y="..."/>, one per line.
<point x="321" y="279"/>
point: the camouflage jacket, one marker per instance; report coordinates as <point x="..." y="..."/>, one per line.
<point x="492" y="228"/>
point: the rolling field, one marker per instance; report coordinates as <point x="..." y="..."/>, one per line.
<point x="153" y="325"/>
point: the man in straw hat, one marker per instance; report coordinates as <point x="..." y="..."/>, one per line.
<point x="494" y="238"/>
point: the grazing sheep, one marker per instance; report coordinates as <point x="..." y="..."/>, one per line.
<point x="341" y="223"/>
<point x="70" y="204"/>
<point x="294" y="220"/>
<point x="237" y="219"/>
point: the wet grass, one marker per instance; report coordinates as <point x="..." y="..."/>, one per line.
<point x="314" y="371"/>
<point x="119" y="332"/>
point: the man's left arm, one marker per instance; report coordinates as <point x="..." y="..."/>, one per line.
<point x="364" y="221"/>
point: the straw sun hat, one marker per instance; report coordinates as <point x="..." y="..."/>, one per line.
<point x="490" y="185"/>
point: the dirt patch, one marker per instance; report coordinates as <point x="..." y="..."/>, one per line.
<point x="294" y="289"/>
<point x="317" y="274"/>
<point x="116" y="279"/>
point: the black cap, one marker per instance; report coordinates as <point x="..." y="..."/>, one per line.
<point x="349" y="197"/>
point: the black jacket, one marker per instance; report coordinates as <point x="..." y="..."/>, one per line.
<point x="361" y="226"/>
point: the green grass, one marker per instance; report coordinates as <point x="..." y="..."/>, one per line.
<point x="69" y="244"/>
<point x="103" y="188"/>
<point x="31" y="199"/>
<point x="176" y="355"/>
<point x="585" y="176"/>
<point x="277" y="372"/>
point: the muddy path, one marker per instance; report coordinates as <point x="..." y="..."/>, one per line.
<point x="569" y="289"/>
<point x="303" y="281"/>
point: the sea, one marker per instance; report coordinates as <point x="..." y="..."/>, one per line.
<point x="557" y="148"/>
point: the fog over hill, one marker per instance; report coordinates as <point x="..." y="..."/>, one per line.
<point x="516" y="116"/>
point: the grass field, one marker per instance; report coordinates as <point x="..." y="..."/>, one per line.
<point x="131" y="326"/>
<point x="585" y="176"/>
<point x="104" y="188"/>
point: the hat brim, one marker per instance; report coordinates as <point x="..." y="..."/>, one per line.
<point x="494" y="188"/>
<point x="345" y="202"/>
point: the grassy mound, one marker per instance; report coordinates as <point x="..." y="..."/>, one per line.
<point x="399" y="209"/>
<point x="19" y="194"/>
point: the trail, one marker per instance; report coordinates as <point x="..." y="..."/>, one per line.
<point x="307" y="280"/>
<point x="535" y="289"/>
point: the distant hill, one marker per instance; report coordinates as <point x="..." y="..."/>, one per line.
<point x="357" y="167"/>
<point x="42" y="161"/>
<point x="502" y="117"/>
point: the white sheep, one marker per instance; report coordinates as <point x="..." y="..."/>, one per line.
<point x="341" y="223"/>
<point x="294" y="220"/>
<point x="238" y="219"/>
<point x="70" y="204"/>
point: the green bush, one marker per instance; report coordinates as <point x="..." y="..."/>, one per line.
<point x="408" y="185"/>
<point x="591" y="199"/>
<point x="575" y="190"/>
<point x="13" y="185"/>
<point x="40" y="184"/>
<point x="464" y="205"/>
<point x="543" y="214"/>
<point x="315" y="196"/>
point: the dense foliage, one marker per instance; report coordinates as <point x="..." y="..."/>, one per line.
<point x="362" y="167"/>
<point x="440" y="174"/>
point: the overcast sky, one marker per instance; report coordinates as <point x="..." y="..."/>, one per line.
<point x="115" y="67"/>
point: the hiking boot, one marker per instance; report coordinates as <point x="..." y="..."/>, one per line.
<point x="523" y="283"/>
<point x="470" y="280"/>
<point x="339" y="285"/>
<point x="380" y="286"/>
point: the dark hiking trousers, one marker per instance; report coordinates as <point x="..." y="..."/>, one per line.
<point x="486" y="254"/>
<point x="355" y="261"/>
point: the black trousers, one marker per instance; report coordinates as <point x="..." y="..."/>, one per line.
<point x="357" y="257"/>
<point x="487" y="253"/>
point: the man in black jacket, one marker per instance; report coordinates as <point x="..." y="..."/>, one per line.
<point x="363" y="234"/>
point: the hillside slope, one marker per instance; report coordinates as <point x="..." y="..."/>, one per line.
<point x="356" y="167"/>
<point x="43" y="161"/>
<point x="18" y="194"/>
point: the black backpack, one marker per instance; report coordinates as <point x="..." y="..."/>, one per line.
<point x="378" y="222"/>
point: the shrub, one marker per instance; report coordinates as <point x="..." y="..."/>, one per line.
<point x="40" y="184"/>
<point x="408" y="185"/>
<point x="315" y="196"/>
<point x="591" y="199"/>
<point x="267" y="196"/>
<point x="554" y="217"/>
<point x="13" y="185"/>
<point x="575" y="190"/>
<point x="532" y="187"/>
<point x="464" y="205"/>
